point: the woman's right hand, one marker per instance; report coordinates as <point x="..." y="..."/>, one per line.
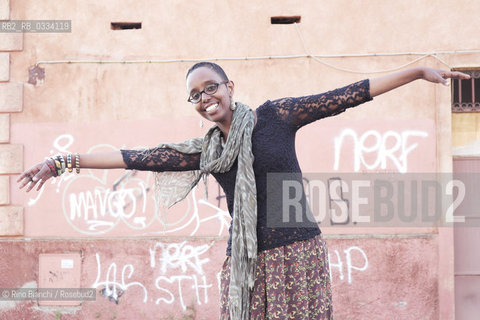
<point x="38" y="174"/>
<point x="35" y="176"/>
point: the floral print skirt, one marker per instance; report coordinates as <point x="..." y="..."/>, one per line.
<point x="292" y="282"/>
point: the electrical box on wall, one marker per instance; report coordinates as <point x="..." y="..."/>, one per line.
<point x="59" y="271"/>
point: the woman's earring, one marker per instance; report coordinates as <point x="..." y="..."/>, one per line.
<point x="232" y="106"/>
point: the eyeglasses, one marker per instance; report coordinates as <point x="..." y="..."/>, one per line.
<point x="196" y="96"/>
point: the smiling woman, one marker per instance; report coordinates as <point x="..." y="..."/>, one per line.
<point x="279" y="271"/>
<point x="212" y="94"/>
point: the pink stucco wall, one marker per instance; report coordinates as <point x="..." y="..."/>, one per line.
<point x="166" y="265"/>
<point x="390" y="278"/>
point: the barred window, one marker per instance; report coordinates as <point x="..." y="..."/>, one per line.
<point x="466" y="93"/>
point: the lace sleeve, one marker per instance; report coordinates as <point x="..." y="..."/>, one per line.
<point x="304" y="110"/>
<point x="161" y="159"/>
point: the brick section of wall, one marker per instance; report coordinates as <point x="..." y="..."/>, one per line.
<point x="4" y="190"/>
<point x="11" y="97"/>
<point x="11" y="158"/>
<point x="4" y="66"/>
<point x="4" y="128"/>
<point x="4" y="9"/>
<point x="11" y="221"/>
<point x="11" y="41"/>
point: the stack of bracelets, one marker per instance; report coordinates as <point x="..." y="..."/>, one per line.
<point x="58" y="165"/>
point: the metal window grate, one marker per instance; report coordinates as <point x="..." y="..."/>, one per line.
<point x="466" y="93"/>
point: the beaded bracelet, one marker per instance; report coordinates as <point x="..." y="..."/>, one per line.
<point x="62" y="162"/>
<point x="77" y="163"/>
<point x="58" y="166"/>
<point x="69" y="162"/>
<point x="51" y="165"/>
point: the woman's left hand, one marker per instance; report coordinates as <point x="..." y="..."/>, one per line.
<point x="441" y="76"/>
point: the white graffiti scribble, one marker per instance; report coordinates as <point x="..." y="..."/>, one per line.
<point x="98" y="210"/>
<point x="349" y="264"/>
<point x="60" y="145"/>
<point x="181" y="281"/>
<point x="397" y="152"/>
<point x="111" y="285"/>
<point x="93" y="205"/>
<point x="175" y="257"/>
<point x="102" y="202"/>
<point x="179" y="255"/>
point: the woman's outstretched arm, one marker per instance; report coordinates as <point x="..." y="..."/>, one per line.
<point x="303" y="110"/>
<point x="391" y="81"/>
<point x="156" y="159"/>
<point x="41" y="172"/>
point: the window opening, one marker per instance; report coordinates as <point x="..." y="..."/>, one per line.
<point x="125" y="25"/>
<point x="285" y="19"/>
<point x="466" y="93"/>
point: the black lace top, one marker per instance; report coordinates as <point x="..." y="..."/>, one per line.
<point x="273" y="144"/>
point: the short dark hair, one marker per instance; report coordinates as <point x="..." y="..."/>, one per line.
<point x="213" y="66"/>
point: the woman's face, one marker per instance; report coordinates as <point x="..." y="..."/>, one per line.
<point x="214" y="107"/>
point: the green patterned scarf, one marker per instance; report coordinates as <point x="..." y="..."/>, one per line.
<point x="172" y="187"/>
